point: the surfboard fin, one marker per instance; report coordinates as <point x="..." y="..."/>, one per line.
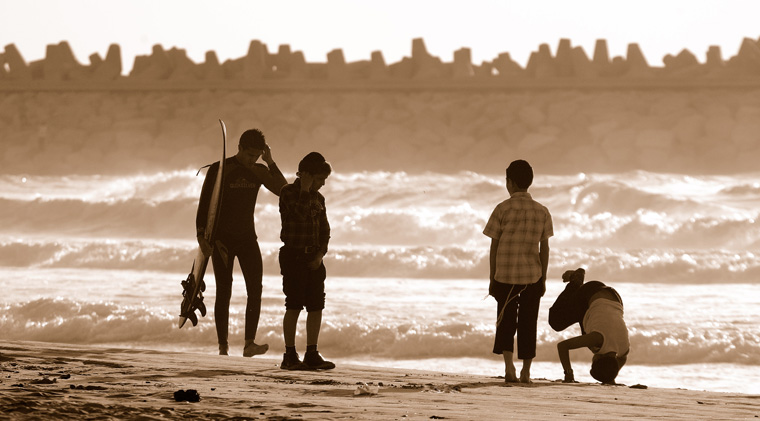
<point x="187" y="285"/>
<point x="202" y="309"/>
<point x="193" y="318"/>
<point x="198" y="303"/>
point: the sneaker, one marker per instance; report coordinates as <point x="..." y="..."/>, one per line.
<point x="314" y="361"/>
<point x="252" y="349"/>
<point x="292" y="362"/>
<point x="223" y="349"/>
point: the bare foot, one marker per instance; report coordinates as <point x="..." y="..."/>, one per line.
<point x="510" y="375"/>
<point x="525" y="376"/>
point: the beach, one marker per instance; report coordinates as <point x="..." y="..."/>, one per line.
<point x="56" y="381"/>
<point x="655" y="193"/>
<point x="98" y="260"/>
<point x="646" y="163"/>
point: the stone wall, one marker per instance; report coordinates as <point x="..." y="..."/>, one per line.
<point x="558" y="131"/>
<point x="568" y="66"/>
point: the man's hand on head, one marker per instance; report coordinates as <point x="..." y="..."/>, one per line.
<point x="266" y="156"/>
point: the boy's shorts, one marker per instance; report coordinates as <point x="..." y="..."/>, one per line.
<point x="302" y="286"/>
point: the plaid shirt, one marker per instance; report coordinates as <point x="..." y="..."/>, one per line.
<point x="304" y="218"/>
<point x="519" y="224"/>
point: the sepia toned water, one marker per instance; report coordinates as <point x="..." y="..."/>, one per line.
<point x="98" y="260"/>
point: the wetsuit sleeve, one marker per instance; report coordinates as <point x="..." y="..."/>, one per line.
<point x="271" y="177"/>
<point x="201" y="217"/>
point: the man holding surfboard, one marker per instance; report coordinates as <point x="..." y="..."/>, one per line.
<point x="236" y="233"/>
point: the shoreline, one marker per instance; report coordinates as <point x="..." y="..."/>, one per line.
<point x="61" y="381"/>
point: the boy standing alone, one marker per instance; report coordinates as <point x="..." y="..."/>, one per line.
<point x="305" y="232"/>
<point x="519" y="229"/>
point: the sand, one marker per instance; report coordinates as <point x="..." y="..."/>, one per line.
<point x="58" y="381"/>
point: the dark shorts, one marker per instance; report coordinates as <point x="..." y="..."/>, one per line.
<point x="302" y="286"/>
<point x="520" y="317"/>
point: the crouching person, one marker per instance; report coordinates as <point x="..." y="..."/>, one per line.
<point x="305" y="234"/>
<point x="598" y="309"/>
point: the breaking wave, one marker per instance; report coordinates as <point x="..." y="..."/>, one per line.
<point x="636" y="265"/>
<point x="70" y="321"/>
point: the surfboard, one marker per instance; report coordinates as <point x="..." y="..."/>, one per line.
<point x="194" y="286"/>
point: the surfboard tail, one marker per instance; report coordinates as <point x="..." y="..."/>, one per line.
<point x="194" y="285"/>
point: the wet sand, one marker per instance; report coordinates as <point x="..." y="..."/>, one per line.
<point x="58" y="381"/>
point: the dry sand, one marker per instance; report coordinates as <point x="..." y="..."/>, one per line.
<point x="57" y="381"/>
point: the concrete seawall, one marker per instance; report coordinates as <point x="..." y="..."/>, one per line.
<point x="558" y="130"/>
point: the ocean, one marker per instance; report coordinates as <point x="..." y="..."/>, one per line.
<point x="98" y="260"/>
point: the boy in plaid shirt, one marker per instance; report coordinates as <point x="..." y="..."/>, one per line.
<point x="305" y="232"/>
<point x="519" y="229"/>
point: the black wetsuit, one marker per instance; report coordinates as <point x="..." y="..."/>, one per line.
<point x="571" y="305"/>
<point x="236" y="237"/>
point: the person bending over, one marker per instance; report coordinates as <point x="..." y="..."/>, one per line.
<point x="598" y="309"/>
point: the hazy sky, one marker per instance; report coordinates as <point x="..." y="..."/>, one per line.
<point x="487" y="27"/>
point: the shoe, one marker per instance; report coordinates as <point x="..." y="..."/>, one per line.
<point x="252" y="349"/>
<point x="223" y="349"/>
<point x="314" y="361"/>
<point x="292" y="362"/>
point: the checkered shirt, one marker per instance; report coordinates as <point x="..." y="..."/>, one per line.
<point x="519" y="224"/>
<point x="304" y="218"/>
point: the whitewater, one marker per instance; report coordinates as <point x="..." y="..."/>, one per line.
<point x="98" y="259"/>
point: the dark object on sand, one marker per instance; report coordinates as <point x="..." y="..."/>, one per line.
<point x="88" y="387"/>
<point x="189" y="395"/>
<point x="638" y="386"/>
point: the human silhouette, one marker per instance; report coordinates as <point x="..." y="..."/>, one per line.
<point x="305" y="234"/>
<point x="598" y="309"/>
<point x="519" y="229"/>
<point x="236" y="233"/>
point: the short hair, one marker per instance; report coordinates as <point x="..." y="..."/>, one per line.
<point x="521" y="173"/>
<point x="252" y="138"/>
<point x="315" y="163"/>
<point x="605" y="369"/>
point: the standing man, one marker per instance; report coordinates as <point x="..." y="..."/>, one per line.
<point x="519" y="229"/>
<point x="236" y="234"/>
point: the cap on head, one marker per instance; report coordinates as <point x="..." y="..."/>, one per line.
<point x="314" y="163"/>
<point x="521" y="173"/>
<point x="605" y="369"/>
<point x="252" y="138"/>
